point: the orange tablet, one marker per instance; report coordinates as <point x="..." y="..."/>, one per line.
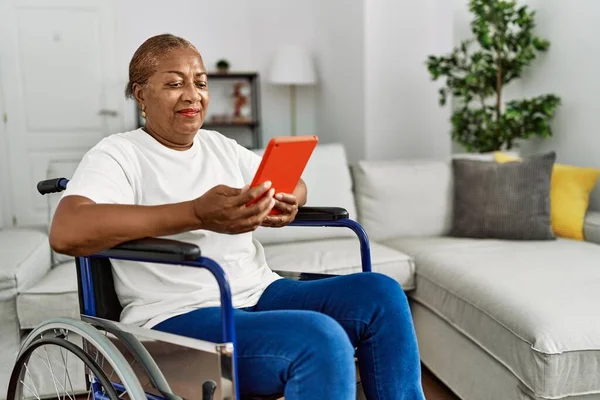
<point x="283" y="162"/>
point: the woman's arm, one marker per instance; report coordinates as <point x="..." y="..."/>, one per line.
<point x="82" y="227"/>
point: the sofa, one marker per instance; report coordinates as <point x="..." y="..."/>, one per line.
<point x="494" y="319"/>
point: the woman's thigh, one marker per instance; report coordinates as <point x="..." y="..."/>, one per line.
<point x="352" y="300"/>
<point x="275" y="348"/>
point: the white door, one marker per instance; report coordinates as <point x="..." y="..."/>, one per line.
<point x="58" y="74"/>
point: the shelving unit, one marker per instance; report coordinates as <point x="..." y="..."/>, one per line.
<point x="232" y="127"/>
<point x="254" y="125"/>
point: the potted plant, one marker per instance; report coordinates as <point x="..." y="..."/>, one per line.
<point x="477" y="71"/>
<point x="223" y="66"/>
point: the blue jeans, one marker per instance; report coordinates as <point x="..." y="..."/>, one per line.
<point x="300" y="339"/>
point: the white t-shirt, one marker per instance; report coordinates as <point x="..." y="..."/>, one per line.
<point x="134" y="168"/>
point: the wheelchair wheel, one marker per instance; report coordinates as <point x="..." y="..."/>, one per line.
<point x="22" y="385"/>
<point x="65" y="358"/>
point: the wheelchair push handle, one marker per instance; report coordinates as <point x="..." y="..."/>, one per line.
<point x="52" y="185"/>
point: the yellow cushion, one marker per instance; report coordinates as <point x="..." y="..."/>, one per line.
<point x="570" y="190"/>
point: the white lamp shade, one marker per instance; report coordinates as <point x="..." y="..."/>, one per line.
<point x="293" y="65"/>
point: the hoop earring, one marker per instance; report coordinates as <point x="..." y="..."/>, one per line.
<point x="143" y="112"/>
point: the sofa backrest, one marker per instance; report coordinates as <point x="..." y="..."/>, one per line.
<point x="407" y="197"/>
<point x="403" y="197"/>
<point x="329" y="183"/>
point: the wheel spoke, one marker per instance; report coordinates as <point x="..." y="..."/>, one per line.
<point x="30" y="377"/>
<point x="67" y="375"/>
<point x="51" y="372"/>
<point x="54" y="377"/>
<point x="32" y="392"/>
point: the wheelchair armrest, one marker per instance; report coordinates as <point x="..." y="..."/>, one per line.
<point x="321" y="213"/>
<point x="154" y="250"/>
<point x="302" y="276"/>
<point x="335" y="216"/>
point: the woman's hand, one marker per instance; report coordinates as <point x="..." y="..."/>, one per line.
<point x="287" y="204"/>
<point x="223" y="209"/>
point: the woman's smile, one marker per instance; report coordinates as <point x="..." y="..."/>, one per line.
<point x="189" y="112"/>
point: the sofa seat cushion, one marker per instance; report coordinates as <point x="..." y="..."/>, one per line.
<point x="532" y="305"/>
<point x="55" y="295"/>
<point x="339" y="257"/>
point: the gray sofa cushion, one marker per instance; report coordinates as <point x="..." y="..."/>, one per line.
<point x="503" y="201"/>
<point x="55" y="295"/>
<point x="530" y="305"/>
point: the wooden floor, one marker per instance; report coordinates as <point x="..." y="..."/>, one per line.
<point x="434" y="389"/>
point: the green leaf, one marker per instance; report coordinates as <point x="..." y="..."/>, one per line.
<point x="443" y="96"/>
<point x="540" y="44"/>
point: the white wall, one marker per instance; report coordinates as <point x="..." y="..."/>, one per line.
<point x="403" y="118"/>
<point x="245" y="32"/>
<point x="5" y="207"/>
<point x="376" y="96"/>
<point x="569" y="69"/>
<point x="340" y="101"/>
<point x="275" y="23"/>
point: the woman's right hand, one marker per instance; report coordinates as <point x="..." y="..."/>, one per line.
<point x="223" y="209"/>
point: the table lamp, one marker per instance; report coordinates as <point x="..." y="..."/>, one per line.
<point x="292" y="66"/>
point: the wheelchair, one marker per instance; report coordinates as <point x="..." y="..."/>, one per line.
<point x="101" y="358"/>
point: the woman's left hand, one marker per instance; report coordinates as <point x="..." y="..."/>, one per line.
<point x="287" y="205"/>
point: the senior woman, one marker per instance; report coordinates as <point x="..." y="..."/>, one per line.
<point x="171" y="178"/>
